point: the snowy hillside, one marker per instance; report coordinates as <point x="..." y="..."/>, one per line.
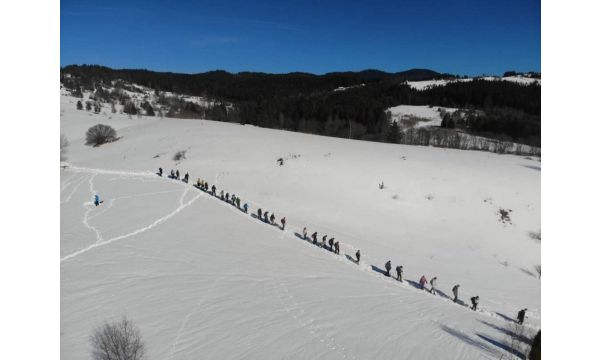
<point x="202" y="279"/>
<point x="523" y="80"/>
<point x="418" y="115"/>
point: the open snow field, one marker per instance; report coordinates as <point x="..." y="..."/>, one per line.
<point x="426" y="116"/>
<point x="424" y="84"/>
<point x="203" y="280"/>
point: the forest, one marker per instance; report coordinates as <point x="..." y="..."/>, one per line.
<point x="305" y="102"/>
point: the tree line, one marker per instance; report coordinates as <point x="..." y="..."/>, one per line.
<point x="307" y="103"/>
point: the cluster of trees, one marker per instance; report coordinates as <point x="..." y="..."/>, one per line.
<point x="307" y="103"/>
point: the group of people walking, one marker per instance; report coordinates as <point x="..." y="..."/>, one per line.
<point x="326" y="243"/>
<point x="269" y="219"/>
<point x="433" y="287"/>
<point x="334" y="245"/>
<point x="175" y="175"/>
<point x="432" y="283"/>
<point x="212" y="190"/>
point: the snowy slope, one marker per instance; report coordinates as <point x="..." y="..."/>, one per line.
<point x="429" y="116"/>
<point x="204" y="280"/>
<point x="422" y="85"/>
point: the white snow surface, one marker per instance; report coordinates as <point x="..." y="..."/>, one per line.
<point x="203" y="280"/>
<point x="431" y="115"/>
<point x="422" y="85"/>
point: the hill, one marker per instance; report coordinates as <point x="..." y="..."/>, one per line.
<point x="201" y="278"/>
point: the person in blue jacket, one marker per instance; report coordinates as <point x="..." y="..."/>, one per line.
<point x="97" y="200"/>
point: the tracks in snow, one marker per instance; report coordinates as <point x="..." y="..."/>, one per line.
<point x="102" y="242"/>
<point x="290" y="232"/>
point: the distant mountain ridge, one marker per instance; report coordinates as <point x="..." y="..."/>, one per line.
<point x="235" y="86"/>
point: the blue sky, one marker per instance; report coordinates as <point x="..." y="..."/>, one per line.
<point x="454" y="36"/>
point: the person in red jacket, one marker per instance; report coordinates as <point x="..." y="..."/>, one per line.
<point x="422" y="282"/>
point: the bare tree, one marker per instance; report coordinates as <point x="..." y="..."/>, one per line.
<point x="117" y="341"/>
<point x="64" y="143"/>
<point x="100" y="134"/>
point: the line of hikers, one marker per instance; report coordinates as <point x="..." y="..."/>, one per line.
<point x="204" y="186"/>
<point x="432" y="283"/>
<point x="432" y="290"/>
<point x="264" y="216"/>
<point x="334" y="245"/>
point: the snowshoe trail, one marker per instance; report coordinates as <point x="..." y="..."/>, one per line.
<point x="290" y="232"/>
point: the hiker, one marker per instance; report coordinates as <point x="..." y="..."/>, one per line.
<point x="159" y="171"/>
<point x="206" y="185"/>
<point x="314" y="237"/>
<point x="266" y="219"/>
<point x="283" y="223"/>
<point x="272" y="218"/>
<point x="199" y="183"/>
<point x="331" y="244"/>
<point x="222" y="195"/>
<point x="233" y="199"/>
<point x="381" y="185"/>
<point x="324" y="240"/>
<point x="172" y="174"/>
<point x="455" y="292"/>
<point x="475" y="302"/>
<point x="186" y="177"/>
<point x="399" y="273"/>
<point x="97" y="200"/>
<point x="357" y="256"/>
<point x="214" y="190"/>
<point x="246" y="208"/>
<point x="432" y="282"/>
<point x="422" y="282"/>
<point x="521" y="316"/>
<point x="259" y="213"/>
<point x="177" y="174"/>
<point x="237" y="202"/>
<point x="304" y="232"/>
<point x="388" y="267"/>
<point x="336" y="245"/>
<point x="227" y="197"/>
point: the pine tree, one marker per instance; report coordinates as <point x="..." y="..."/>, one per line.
<point x="130" y="108"/>
<point x="393" y="134"/>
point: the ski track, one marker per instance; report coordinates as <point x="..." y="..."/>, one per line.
<point x="89" y="209"/>
<point x="296" y="312"/>
<point x="112" y="201"/>
<point x="100" y="242"/>
<point x="78" y="183"/>
<point x="67" y="182"/>
<point x="363" y="266"/>
<point x="186" y="318"/>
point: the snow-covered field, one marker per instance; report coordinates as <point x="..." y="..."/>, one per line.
<point x="429" y="116"/>
<point x="202" y="279"/>
<point x="523" y="80"/>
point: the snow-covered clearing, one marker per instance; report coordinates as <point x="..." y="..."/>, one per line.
<point x="418" y="115"/>
<point x="202" y="279"/>
<point x="422" y="85"/>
